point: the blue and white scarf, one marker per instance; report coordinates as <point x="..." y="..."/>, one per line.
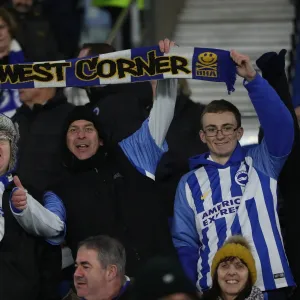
<point x="133" y="65"/>
<point x="10" y="100"/>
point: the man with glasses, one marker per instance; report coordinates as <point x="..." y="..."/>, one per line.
<point x="232" y="190"/>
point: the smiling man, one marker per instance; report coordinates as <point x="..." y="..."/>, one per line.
<point x="231" y="190"/>
<point x="82" y="139"/>
<point x="221" y="123"/>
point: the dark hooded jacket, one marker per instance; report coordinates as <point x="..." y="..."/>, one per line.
<point x="105" y="194"/>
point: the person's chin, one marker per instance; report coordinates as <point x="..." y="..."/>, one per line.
<point x="81" y="295"/>
<point x="81" y="292"/>
<point x="223" y="152"/>
<point x="223" y="149"/>
<point x="82" y="155"/>
<point x="233" y="291"/>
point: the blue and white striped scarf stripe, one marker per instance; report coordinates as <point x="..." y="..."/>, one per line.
<point x="140" y="64"/>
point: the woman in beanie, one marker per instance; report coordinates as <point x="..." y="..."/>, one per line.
<point x="233" y="273"/>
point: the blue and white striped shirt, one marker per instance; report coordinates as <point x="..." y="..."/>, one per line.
<point x="214" y="202"/>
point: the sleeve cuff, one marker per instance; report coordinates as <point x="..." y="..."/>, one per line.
<point x="58" y="240"/>
<point x="249" y="84"/>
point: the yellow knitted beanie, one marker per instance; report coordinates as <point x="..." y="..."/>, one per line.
<point x="235" y="246"/>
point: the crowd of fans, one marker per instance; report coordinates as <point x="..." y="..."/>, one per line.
<point x="134" y="191"/>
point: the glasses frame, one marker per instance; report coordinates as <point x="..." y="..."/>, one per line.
<point x="221" y="130"/>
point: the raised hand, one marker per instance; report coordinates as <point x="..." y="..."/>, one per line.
<point x="19" y="196"/>
<point x="244" y="66"/>
<point x="165" y="45"/>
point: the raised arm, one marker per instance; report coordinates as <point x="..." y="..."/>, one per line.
<point x="162" y="112"/>
<point x="184" y="230"/>
<point x="145" y="147"/>
<point x="273" y="115"/>
<point x="274" y="118"/>
<point x="272" y="66"/>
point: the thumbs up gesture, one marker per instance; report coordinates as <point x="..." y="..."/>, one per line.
<point x="19" y="196"/>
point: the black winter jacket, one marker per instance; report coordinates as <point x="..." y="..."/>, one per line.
<point x="107" y="195"/>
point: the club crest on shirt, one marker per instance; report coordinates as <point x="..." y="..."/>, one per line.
<point x="241" y="178"/>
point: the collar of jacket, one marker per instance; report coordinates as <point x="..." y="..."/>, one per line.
<point x="236" y="157"/>
<point x="73" y="164"/>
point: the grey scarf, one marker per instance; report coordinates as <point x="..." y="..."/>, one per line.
<point x="256" y="294"/>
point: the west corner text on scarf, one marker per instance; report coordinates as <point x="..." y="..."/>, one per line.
<point x="140" y="64"/>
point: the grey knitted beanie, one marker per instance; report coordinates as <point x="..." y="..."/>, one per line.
<point x="11" y="132"/>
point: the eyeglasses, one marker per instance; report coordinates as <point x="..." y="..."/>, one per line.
<point x="226" y="130"/>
